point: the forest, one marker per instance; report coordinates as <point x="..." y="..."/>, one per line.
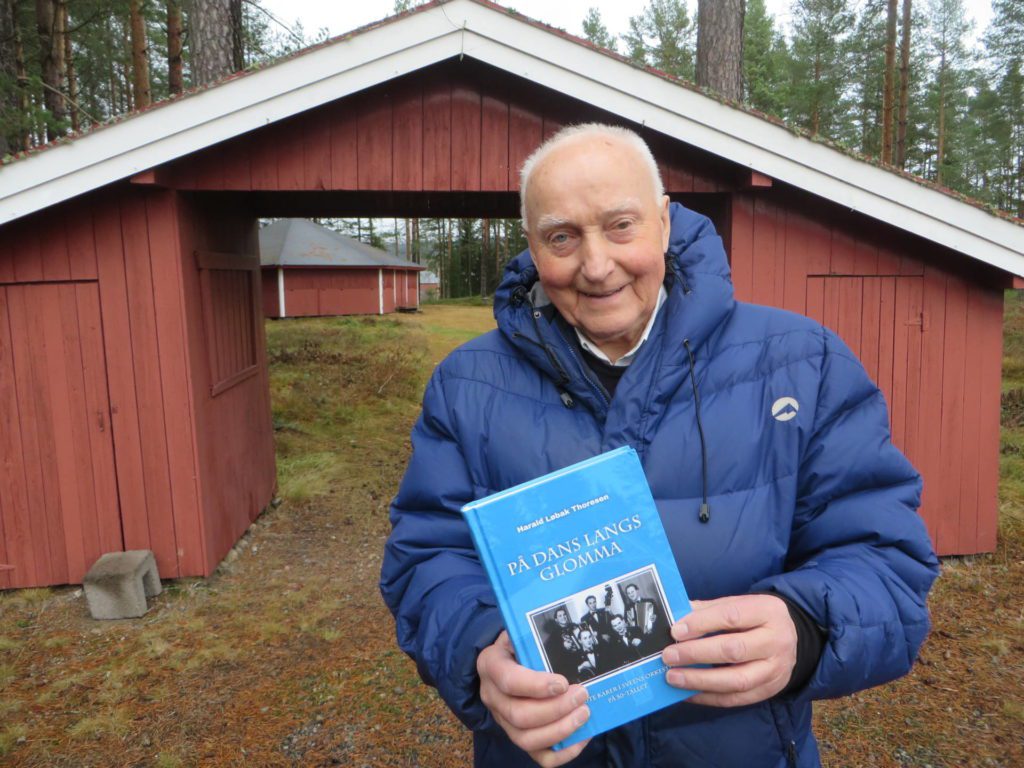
<point x="905" y="83"/>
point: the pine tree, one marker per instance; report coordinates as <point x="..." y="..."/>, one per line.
<point x="766" y="61"/>
<point x="50" y="28"/>
<point x="1004" y="38"/>
<point x="662" y="37"/>
<point x="596" y="32"/>
<point x="889" y="88"/>
<point x="820" y="48"/>
<point x="948" y="91"/>
<point x="1004" y="48"/>
<point x="906" y="74"/>
<point x="863" y="128"/>
<point x="140" y="56"/>
<point x="10" y="117"/>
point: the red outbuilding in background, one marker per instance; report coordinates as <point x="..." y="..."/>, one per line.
<point x="312" y="271"/>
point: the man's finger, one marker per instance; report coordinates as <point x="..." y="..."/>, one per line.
<point x="543" y="737"/>
<point x="727" y="614"/>
<point x="497" y="664"/>
<point x="525" y="713"/>
<point x="727" y="648"/>
<point x="733" y="678"/>
<point x="549" y="759"/>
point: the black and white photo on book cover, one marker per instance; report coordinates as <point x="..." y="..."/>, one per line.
<point x="605" y="627"/>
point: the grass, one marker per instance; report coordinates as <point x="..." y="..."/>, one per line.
<point x="286" y="656"/>
<point x="10" y="736"/>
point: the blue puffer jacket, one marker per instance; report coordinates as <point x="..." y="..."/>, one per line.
<point x="817" y="505"/>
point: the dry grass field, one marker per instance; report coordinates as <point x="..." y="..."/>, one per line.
<point x="286" y="656"/>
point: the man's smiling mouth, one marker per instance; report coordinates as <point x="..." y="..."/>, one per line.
<point x="602" y="295"/>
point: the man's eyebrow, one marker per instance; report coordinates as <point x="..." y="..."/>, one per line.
<point x="632" y="205"/>
<point x="549" y="221"/>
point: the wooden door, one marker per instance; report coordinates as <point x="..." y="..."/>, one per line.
<point x="58" y="488"/>
<point x="881" y="320"/>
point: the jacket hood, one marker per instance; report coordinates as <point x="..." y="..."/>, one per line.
<point x="697" y="279"/>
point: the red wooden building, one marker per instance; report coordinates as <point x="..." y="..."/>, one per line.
<point x="134" y="407"/>
<point x="312" y="271"/>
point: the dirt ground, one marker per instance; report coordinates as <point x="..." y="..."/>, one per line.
<point x="286" y="656"/>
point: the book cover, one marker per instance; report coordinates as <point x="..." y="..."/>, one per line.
<point x="586" y="583"/>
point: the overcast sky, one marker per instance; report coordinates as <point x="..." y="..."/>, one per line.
<point x="344" y="15"/>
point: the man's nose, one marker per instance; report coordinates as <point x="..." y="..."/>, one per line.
<point x="597" y="263"/>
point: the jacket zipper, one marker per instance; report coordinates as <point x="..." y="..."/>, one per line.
<point x="595" y="385"/>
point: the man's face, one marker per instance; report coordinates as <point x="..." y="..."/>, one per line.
<point x="619" y="625"/>
<point x="587" y="640"/>
<point x="598" y="236"/>
<point x="632" y="592"/>
<point x="592" y="603"/>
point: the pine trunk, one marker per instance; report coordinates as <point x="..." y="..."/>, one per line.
<point x="816" y="106"/>
<point x="175" y="77"/>
<point x="50" y="28"/>
<point x="69" y="72"/>
<point x="237" y="38"/>
<point x="126" y="80"/>
<point x="10" y="134"/>
<point x="901" y="131"/>
<point x="941" y="139"/>
<point x="888" y="92"/>
<point x="140" y="56"/>
<point x="212" y="44"/>
<point x="720" y="47"/>
<point x="485" y="247"/>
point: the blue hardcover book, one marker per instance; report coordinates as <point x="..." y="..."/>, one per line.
<point x="586" y="583"/>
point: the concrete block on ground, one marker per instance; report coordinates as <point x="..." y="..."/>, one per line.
<point x="117" y="585"/>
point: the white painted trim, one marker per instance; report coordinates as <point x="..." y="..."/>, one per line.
<point x="280" y="293"/>
<point x="380" y="291"/>
<point x="464" y="27"/>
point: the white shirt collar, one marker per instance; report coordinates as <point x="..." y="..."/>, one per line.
<point x="627" y="358"/>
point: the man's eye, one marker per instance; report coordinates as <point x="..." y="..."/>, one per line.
<point x="624" y="224"/>
<point x="559" y="238"/>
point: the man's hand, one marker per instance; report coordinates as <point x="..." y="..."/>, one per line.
<point x="536" y="709"/>
<point x="753" y="654"/>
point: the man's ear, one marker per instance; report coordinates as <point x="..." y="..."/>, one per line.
<point x="666" y="223"/>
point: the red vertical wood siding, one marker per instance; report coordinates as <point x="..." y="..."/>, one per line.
<point x="930" y="339"/>
<point x="447" y="128"/>
<point x="268" y="284"/>
<point x="408" y="139"/>
<point x="59" y="510"/>
<point x="233" y="433"/>
<point x="315" y="292"/>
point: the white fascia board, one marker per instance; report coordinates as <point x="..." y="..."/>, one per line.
<point x="743" y="138"/>
<point x="200" y="120"/>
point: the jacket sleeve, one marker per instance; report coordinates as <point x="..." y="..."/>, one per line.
<point x="431" y="579"/>
<point x="860" y="560"/>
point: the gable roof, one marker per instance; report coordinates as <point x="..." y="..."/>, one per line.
<point x="502" y="38"/>
<point x="303" y="243"/>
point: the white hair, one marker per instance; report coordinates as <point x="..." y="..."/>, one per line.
<point x="588" y="130"/>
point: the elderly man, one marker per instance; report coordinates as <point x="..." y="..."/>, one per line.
<point x="797" y="536"/>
